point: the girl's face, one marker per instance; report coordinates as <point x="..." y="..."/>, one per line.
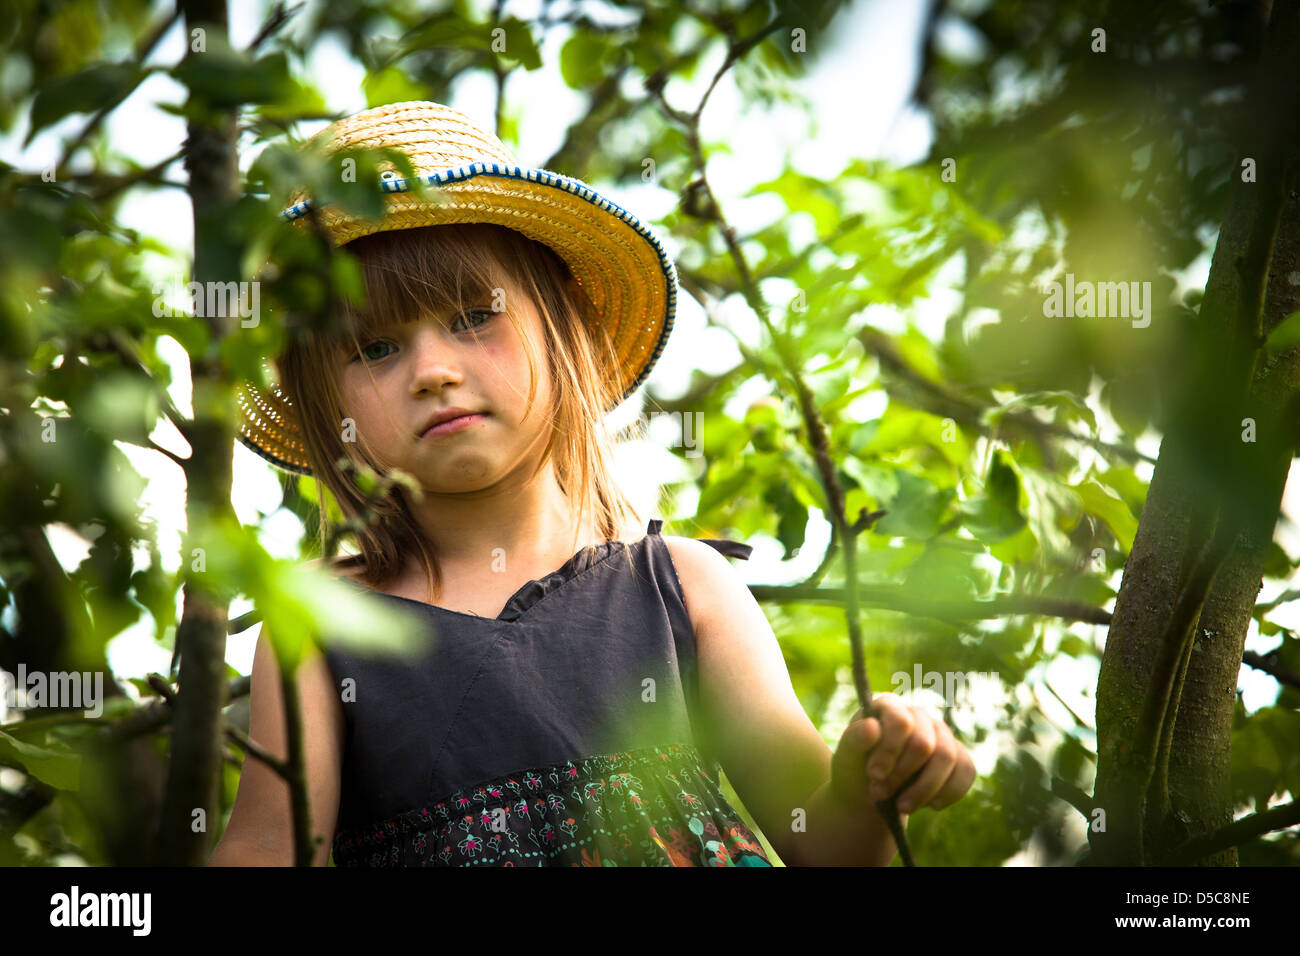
<point x="473" y="360"/>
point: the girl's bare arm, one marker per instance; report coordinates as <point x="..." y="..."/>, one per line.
<point x="260" y="832"/>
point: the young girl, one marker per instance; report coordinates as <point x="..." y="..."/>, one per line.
<point x="583" y="677"/>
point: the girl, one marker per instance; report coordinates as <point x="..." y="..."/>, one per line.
<point x="583" y="679"/>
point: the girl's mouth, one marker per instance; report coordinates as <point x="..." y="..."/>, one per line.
<point x="453" y="425"/>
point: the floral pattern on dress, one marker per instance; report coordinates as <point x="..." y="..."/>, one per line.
<point x="653" y="806"/>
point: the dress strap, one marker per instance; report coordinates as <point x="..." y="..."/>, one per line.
<point x="732" y="549"/>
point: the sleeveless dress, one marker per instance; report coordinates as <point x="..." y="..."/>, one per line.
<point x="556" y="734"/>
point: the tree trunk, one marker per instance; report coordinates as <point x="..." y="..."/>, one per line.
<point x="1201" y="485"/>
<point x="194" y="773"/>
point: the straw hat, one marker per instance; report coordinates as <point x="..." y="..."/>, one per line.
<point x="627" y="277"/>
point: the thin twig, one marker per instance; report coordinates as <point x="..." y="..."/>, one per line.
<point x="115" y="184"/>
<point x="242" y="740"/>
<point x="277" y="18"/>
<point x="814" y="426"/>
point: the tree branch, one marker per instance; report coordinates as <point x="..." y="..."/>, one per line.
<point x="143" y="49"/>
<point x="242" y="740"/>
<point x="1260" y="662"/>
<point x="115" y="184"/>
<point x="1074" y="797"/>
<point x="1237" y="832"/>
<point x="895" y="598"/>
<point x="277" y="18"/>
<point x="148" y="717"/>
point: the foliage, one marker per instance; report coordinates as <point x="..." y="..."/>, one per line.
<point x="1002" y="443"/>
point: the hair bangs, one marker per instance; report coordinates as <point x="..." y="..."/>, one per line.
<point x="412" y="274"/>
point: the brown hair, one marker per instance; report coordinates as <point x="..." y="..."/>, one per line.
<point x="406" y="273"/>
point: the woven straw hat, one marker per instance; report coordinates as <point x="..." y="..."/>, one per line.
<point x="627" y="277"/>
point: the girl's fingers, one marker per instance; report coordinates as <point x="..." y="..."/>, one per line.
<point x="898" y="722"/>
<point x="959" y="782"/>
<point x="919" y="747"/>
<point x="900" y="742"/>
<point x="936" y="781"/>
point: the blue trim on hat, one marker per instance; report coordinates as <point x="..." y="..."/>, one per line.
<point x="568" y="184"/>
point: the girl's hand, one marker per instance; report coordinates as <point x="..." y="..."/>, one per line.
<point x="870" y="762"/>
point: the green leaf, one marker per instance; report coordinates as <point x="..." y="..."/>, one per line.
<point x="580" y="59"/>
<point x="717" y="492"/>
<point x="224" y="77"/>
<point x="156" y="590"/>
<point x="1020" y="548"/>
<point x="191" y="332"/>
<point x="85" y="92"/>
<point x="863" y="435"/>
<point x="805" y="482"/>
<point x="122" y="406"/>
<point x="519" y="43"/>
<point x="995" y="515"/>
<point x="1285" y="335"/>
<point x="878" y="481"/>
<point x="917" y="509"/>
<point x="297" y="99"/>
<point x="60" y="769"/>
<point x="391" y="85"/>
<point x="1051" y="507"/>
<point x="345" y="272"/>
<point x="1277" y="563"/>
<point x="1069" y="406"/>
<point x="1111" y="509"/>
<point x="1074" y="645"/>
<point x="1125" y="481"/>
<point x="836" y="404"/>
<point x="827" y="388"/>
<point x="792" y="514"/>
<point x="302" y="603"/>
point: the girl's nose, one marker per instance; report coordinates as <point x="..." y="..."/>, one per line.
<point x="434" y="358"/>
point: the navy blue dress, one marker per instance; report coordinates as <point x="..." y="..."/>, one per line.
<point x="556" y="734"/>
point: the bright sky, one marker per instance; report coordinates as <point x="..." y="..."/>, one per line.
<point x="858" y="90"/>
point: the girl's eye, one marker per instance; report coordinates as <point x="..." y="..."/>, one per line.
<point x="484" y="312"/>
<point x="366" y="348"/>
